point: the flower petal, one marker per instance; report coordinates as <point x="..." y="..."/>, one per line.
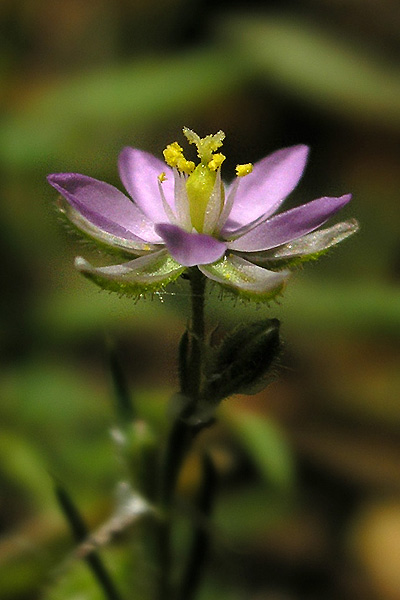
<point x="190" y="249"/>
<point x="262" y="191"/>
<point x="308" y="247"/>
<point x="182" y="207"/>
<point x="246" y="279"/>
<point x="104" y="206"/>
<point x="107" y="242"/>
<point x="139" y="173"/>
<point x="289" y="225"/>
<point x="145" y="274"/>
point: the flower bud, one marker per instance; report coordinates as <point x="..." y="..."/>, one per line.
<point x="243" y="361"/>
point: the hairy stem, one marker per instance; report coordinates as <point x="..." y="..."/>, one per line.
<point x="197" y="283"/>
<point x="182" y="432"/>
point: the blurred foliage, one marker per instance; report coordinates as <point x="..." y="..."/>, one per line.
<point x="105" y="102"/>
<point x="318" y="67"/>
<point x="309" y="494"/>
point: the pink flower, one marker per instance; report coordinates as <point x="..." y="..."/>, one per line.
<point x="180" y="215"/>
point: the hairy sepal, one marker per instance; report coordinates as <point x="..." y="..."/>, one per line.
<point x="152" y="278"/>
<point x="245" y="280"/>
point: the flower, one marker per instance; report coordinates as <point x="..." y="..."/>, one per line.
<point x="182" y="215"/>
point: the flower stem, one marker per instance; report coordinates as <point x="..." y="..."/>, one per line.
<point x="198" y="284"/>
<point x="182" y="432"/>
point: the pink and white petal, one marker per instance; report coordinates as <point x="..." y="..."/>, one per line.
<point x="168" y="210"/>
<point x="229" y="194"/>
<point x="289" y="225"/>
<point x="139" y="173"/>
<point x="182" y="207"/>
<point x="246" y="279"/>
<point x="190" y="249"/>
<point x="261" y="192"/>
<point x="309" y="246"/>
<point x="145" y="274"/>
<point x="104" y="206"/>
<point x="106" y="241"/>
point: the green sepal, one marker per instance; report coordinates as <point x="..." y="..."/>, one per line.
<point x="289" y="263"/>
<point x="150" y="279"/>
<point x="250" y="296"/>
<point x="245" y="280"/>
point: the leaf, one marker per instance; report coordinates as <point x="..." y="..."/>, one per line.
<point x="80" y="531"/>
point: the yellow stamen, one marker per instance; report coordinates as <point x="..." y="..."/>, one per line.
<point x="201" y="180"/>
<point x="186" y="166"/>
<point x="243" y="170"/>
<point x="162" y="177"/>
<point x="174" y="157"/>
<point x="216" y="161"/>
<point x="172" y="153"/>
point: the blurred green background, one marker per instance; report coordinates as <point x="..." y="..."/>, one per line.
<point x="309" y="499"/>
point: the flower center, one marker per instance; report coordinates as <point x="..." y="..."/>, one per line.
<point x="201" y="179"/>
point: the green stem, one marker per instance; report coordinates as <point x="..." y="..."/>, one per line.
<point x="198" y="284"/>
<point x="182" y="433"/>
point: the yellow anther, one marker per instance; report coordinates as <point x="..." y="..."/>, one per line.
<point x="162" y="177"/>
<point x="242" y="170"/>
<point x="172" y="153"/>
<point x="186" y="166"/>
<point x="216" y="161"/>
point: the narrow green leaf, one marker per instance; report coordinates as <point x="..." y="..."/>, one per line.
<point x="80" y="532"/>
<point x="123" y="401"/>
